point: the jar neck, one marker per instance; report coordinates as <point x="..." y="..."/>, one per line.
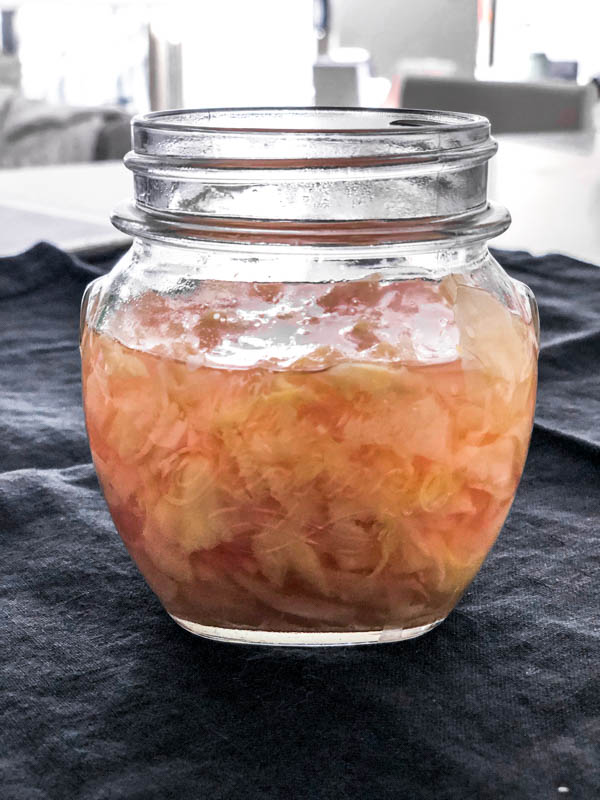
<point x="234" y="261"/>
<point x="339" y="177"/>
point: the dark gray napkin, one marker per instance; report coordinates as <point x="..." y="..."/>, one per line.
<point x="104" y="697"/>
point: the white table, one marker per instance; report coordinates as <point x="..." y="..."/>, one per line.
<point x="66" y="205"/>
<point x="549" y="182"/>
<point x="551" y="185"/>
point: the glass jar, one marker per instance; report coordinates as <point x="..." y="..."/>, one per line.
<point x="308" y="387"/>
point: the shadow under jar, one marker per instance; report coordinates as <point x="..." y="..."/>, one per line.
<point x="308" y="387"/>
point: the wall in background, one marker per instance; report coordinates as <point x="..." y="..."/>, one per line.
<point x="563" y="31"/>
<point x="227" y="52"/>
<point x="244" y="53"/>
<point x="83" y="54"/>
<point x="395" y="29"/>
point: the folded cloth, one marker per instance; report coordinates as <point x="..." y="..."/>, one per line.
<point x="104" y="697"/>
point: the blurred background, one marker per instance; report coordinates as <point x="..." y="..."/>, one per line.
<point x="73" y="73"/>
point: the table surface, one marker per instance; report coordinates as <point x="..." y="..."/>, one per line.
<point x="549" y="182"/>
<point x="551" y="185"/>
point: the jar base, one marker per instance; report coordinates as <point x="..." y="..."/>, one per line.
<point x="304" y="638"/>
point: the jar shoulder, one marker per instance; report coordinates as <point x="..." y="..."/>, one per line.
<point x="376" y="310"/>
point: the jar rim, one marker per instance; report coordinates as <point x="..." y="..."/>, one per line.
<point x="407" y="121"/>
<point x="304" y="136"/>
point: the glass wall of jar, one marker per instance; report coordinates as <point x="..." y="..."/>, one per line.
<point x="308" y="386"/>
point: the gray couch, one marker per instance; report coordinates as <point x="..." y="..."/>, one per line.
<point x="511" y="107"/>
<point x="35" y="133"/>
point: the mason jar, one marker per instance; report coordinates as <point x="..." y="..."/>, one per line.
<point x="308" y="386"/>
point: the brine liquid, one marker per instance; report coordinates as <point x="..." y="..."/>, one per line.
<point x="347" y="493"/>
